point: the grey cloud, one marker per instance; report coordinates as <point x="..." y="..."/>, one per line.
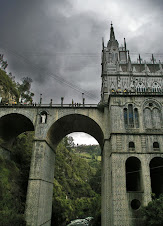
<point x="55" y="40"/>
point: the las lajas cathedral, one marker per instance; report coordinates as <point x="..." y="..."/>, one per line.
<point x="133" y="93"/>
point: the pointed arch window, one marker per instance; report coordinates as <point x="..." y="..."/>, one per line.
<point x="156" y="88"/>
<point x="148" y="118"/>
<point x="136" y="115"/>
<point x="156" y="118"/>
<point x="131" y="117"/>
<point x="152" y="116"/>
<point x="140" y="88"/>
<point x="109" y="57"/>
<point x="125" y="111"/>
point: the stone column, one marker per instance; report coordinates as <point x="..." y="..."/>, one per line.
<point x="120" y="204"/>
<point x="106" y="212"/>
<point x="146" y="179"/>
<point x="40" y="185"/>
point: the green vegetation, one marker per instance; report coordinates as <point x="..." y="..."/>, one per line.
<point x="88" y="149"/>
<point x="75" y="195"/>
<point x="13" y="182"/>
<point x="91" y="153"/>
<point x="9" y="88"/>
<point x="76" y="185"/>
<point x="11" y="206"/>
<point x="24" y="89"/>
<point x="153" y="212"/>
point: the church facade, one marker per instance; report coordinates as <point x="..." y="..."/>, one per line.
<point x="133" y="169"/>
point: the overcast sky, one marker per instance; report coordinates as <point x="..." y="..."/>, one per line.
<point x="57" y="43"/>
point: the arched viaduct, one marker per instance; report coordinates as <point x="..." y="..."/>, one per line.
<point x="59" y="122"/>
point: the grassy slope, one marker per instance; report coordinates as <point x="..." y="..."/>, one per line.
<point x="11" y="207"/>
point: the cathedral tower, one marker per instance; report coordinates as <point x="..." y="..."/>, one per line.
<point x="120" y="75"/>
<point x="132" y="98"/>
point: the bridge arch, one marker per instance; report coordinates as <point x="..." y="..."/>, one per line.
<point x="41" y="179"/>
<point x="74" y="123"/>
<point x="13" y="124"/>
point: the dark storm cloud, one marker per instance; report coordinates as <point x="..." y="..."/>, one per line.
<point x="155" y="4"/>
<point x="141" y="24"/>
<point x="28" y="28"/>
<point x="50" y="41"/>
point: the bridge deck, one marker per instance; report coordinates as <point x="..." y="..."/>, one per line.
<point x="48" y="106"/>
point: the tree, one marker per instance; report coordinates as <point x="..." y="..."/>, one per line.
<point x="24" y="89"/>
<point x="68" y="142"/>
<point x="10" y="88"/>
<point x="21" y="155"/>
<point x="4" y="64"/>
<point x="73" y="196"/>
<point x="11" y="206"/>
<point x="153" y="212"/>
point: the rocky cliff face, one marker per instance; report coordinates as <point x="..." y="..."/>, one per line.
<point x="8" y="91"/>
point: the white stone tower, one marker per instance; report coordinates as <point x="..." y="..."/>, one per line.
<point x="119" y="74"/>
<point x="132" y="98"/>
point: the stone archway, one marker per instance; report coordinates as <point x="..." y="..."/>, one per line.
<point x="13" y="124"/>
<point x="40" y="187"/>
<point x="74" y="123"/>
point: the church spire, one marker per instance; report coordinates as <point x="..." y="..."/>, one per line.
<point x="112" y="43"/>
<point x="112" y="35"/>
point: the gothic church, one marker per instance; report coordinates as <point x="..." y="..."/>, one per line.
<point x="133" y="93"/>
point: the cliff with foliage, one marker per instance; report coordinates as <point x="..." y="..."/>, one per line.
<point x="76" y="191"/>
<point x="10" y="91"/>
<point x="13" y="181"/>
<point x="8" y="88"/>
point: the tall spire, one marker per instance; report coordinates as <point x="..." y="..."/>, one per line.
<point x="112" y="35"/>
<point x="102" y="43"/>
<point x="125" y="44"/>
<point x="112" y="45"/>
<point x="129" y="62"/>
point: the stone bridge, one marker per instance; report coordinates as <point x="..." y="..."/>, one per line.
<point x="50" y="124"/>
<point x="125" y="149"/>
